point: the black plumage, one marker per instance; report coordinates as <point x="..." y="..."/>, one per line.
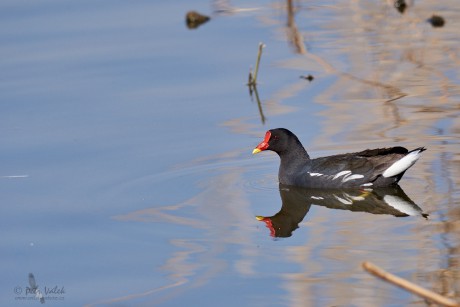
<point x="369" y="168"/>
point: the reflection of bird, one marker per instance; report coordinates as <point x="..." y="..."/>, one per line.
<point x="369" y="168"/>
<point x="296" y="203"/>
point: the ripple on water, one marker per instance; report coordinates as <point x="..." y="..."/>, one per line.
<point x="257" y="174"/>
<point x="256" y="182"/>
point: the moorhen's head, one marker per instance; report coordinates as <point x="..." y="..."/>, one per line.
<point x="278" y="140"/>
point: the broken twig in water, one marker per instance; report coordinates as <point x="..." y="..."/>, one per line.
<point x="409" y="286"/>
<point x="253" y="77"/>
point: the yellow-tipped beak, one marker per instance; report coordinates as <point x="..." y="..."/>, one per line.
<point x="256" y="151"/>
<point x="259" y="218"/>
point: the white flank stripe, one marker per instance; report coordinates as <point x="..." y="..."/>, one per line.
<point x="400" y="205"/>
<point x="369" y="184"/>
<point x="358" y="198"/>
<point x="343" y="201"/>
<point x="352" y="177"/>
<point x="317" y="197"/>
<point x="315" y="174"/>
<point x="341" y="174"/>
<point x="402" y="164"/>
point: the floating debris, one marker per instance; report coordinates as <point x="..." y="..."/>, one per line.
<point x="309" y="77"/>
<point x="400" y="5"/>
<point x="437" y="21"/>
<point x="194" y="19"/>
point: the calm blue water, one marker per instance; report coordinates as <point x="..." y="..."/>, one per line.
<point x="126" y="173"/>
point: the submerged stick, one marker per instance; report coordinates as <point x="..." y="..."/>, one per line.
<point x="409" y="286"/>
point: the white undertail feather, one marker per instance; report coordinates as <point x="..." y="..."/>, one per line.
<point x="401" y="205"/>
<point x="402" y="164"/>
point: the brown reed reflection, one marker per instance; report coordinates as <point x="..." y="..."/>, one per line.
<point x="395" y="83"/>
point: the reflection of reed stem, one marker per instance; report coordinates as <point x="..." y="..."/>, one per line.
<point x="407" y="285"/>
<point x="259" y="104"/>
<point x="296" y="39"/>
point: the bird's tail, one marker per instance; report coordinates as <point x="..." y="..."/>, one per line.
<point x="403" y="164"/>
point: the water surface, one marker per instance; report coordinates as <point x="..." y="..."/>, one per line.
<point x="127" y="177"/>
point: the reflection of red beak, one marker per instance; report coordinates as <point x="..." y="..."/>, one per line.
<point x="263" y="145"/>
<point x="268" y="223"/>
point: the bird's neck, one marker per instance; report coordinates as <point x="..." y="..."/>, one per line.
<point x="293" y="164"/>
<point x="295" y="154"/>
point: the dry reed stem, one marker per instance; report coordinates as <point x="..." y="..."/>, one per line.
<point x="409" y="286"/>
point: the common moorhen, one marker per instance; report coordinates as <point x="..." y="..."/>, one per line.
<point x="380" y="167"/>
